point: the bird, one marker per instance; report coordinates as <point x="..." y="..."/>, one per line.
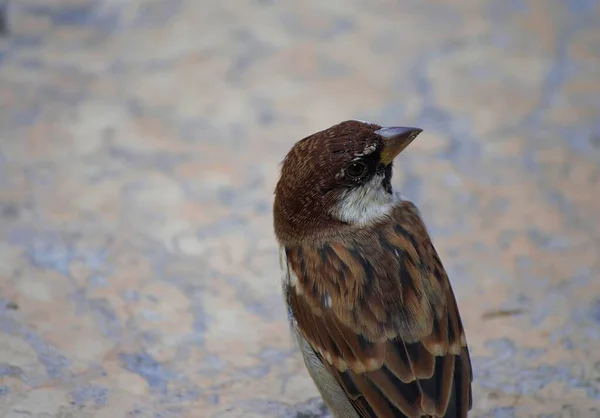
<point x="368" y="299"/>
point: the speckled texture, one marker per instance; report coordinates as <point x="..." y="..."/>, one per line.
<point x="140" y="143"/>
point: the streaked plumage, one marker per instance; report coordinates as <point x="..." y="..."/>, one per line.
<point x="369" y="299"/>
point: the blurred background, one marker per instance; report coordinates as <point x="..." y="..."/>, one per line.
<point x="139" y="147"/>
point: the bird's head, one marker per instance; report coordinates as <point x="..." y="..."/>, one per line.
<point x="336" y="178"/>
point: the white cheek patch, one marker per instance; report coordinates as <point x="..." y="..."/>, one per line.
<point x="365" y="204"/>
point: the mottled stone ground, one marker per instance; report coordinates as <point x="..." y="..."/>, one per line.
<point x="140" y="143"/>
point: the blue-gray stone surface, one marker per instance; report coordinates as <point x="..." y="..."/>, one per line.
<point x="139" y="146"/>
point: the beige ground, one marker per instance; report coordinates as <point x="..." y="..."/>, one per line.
<point x="140" y="143"/>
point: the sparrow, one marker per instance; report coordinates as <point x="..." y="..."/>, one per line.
<point x="368" y="299"/>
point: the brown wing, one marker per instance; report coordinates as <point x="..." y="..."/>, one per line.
<point x="378" y="309"/>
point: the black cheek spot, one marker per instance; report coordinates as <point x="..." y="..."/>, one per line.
<point x="387" y="178"/>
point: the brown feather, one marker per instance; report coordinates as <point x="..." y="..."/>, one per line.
<point x="376" y="306"/>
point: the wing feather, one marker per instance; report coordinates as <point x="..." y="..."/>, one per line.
<point x="377" y="307"/>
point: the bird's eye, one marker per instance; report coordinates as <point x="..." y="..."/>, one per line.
<point x="356" y="170"/>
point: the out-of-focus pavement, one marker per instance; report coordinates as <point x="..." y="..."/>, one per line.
<point x="139" y="147"/>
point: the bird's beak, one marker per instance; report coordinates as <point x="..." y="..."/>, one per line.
<point x="396" y="139"/>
